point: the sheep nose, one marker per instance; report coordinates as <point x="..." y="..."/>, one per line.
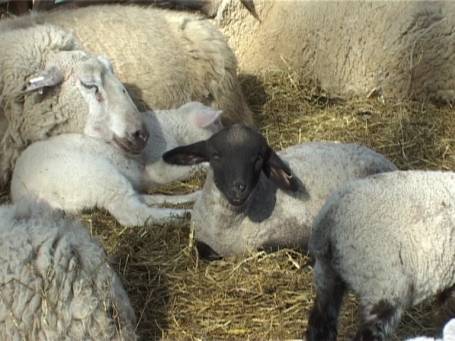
<point x="239" y="187"/>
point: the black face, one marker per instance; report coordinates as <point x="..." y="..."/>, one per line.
<point x="237" y="158"/>
<point x="237" y="155"/>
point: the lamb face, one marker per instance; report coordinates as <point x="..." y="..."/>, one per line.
<point x="237" y="156"/>
<point x="112" y="115"/>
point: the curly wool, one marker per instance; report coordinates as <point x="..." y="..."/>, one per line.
<point x="34" y="116"/>
<point x="55" y="281"/>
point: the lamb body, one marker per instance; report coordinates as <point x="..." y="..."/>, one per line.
<point x="73" y="172"/>
<point x="49" y="86"/>
<point x="56" y="283"/>
<point x="411" y="55"/>
<point x="165" y="58"/>
<point x="270" y="217"/>
<point x="390" y="238"/>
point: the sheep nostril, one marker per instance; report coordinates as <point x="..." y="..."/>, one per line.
<point x="240" y="187"/>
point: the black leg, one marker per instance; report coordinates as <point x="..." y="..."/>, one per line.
<point x="330" y="289"/>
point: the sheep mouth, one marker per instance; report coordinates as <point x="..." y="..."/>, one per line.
<point x="128" y="146"/>
<point x="239" y="203"/>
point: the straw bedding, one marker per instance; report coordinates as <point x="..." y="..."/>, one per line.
<point x="268" y="296"/>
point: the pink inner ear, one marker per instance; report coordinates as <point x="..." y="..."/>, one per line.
<point x="205" y="117"/>
<point x="281" y="174"/>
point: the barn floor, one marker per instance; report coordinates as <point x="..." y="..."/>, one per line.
<point x="268" y="296"/>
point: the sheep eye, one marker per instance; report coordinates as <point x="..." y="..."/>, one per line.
<point x="216" y="157"/>
<point x="90" y="86"/>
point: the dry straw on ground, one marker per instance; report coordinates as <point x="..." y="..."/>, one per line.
<point x="268" y="296"/>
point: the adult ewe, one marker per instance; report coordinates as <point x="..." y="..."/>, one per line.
<point x="252" y="199"/>
<point x="390" y="238"/>
<point x="73" y="172"/>
<point x="55" y="281"/>
<point x="165" y="58"/>
<point x="409" y="55"/>
<point x="49" y="86"/>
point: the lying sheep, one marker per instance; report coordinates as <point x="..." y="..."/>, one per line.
<point x="48" y="86"/>
<point x="55" y="281"/>
<point x="410" y="55"/>
<point x="389" y="238"/>
<point x="73" y="172"/>
<point x="448" y="333"/>
<point x="252" y="199"/>
<point x="165" y="58"/>
<point x="207" y="7"/>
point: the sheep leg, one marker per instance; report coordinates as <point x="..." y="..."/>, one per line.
<point x="330" y="289"/>
<point x="131" y="211"/>
<point x="379" y="321"/>
<point x="159" y="199"/>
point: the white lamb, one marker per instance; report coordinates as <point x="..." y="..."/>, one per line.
<point x="390" y="239"/>
<point x="252" y="199"/>
<point x="73" y="172"/>
<point x="49" y="86"/>
<point x="56" y="282"/>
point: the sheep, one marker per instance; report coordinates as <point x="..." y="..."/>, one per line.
<point x="389" y="238"/>
<point x="253" y="200"/>
<point x="396" y="57"/>
<point x="165" y="58"/>
<point x="208" y="7"/>
<point x="73" y="172"/>
<point x="56" y="282"/>
<point x="49" y="85"/>
<point x="448" y="333"/>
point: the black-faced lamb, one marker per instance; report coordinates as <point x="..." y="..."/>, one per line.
<point x="56" y="282"/>
<point x="255" y="198"/>
<point x="49" y="86"/>
<point x="165" y="58"/>
<point x="390" y="239"/>
<point x="73" y="172"/>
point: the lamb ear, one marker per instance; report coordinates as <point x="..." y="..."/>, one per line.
<point x="187" y="155"/>
<point x="280" y="173"/>
<point x="206" y="116"/>
<point x="48" y="78"/>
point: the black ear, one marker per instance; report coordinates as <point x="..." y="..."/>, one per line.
<point x="187" y="155"/>
<point x="279" y="172"/>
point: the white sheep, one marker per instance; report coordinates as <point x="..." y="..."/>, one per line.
<point x="73" y="172"/>
<point x="448" y="333"/>
<point x="48" y="86"/>
<point x="165" y="58"/>
<point x="410" y="55"/>
<point x="252" y="199"/>
<point x="56" y="282"/>
<point x="390" y="239"/>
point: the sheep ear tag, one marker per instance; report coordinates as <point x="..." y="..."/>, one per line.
<point x="47" y="78"/>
